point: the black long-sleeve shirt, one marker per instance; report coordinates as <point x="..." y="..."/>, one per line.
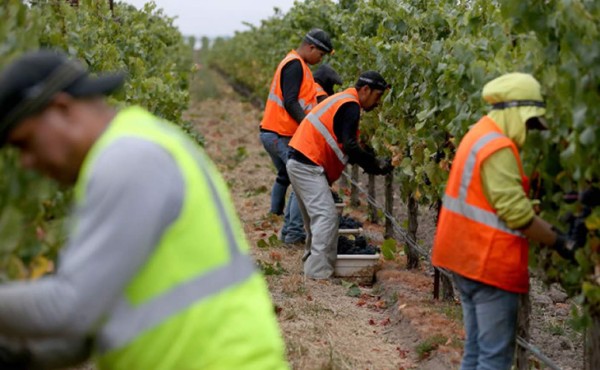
<point x="291" y="81"/>
<point x="345" y="127"/>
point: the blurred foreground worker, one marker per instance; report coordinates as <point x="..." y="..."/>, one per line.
<point x="293" y="94"/>
<point x="326" y="78"/>
<point x="156" y="272"/>
<point x="486" y="220"/>
<point x="325" y="141"/>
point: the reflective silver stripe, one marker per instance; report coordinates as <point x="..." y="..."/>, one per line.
<point x="459" y="205"/>
<point x="274" y="98"/>
<point x="314" y="118"/>
<point x="277" y="100"/>
<point x="234" y="248"/>
<point x="302" y="103"/>
<point x="328" y="138"/>
<point x="467" y="173"/>
<point x="477" y="214"/>
<point x="126" y="322"/>
<point x="334" y="99"/>
<point x="306" y="107"/>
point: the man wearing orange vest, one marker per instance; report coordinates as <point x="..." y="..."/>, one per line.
<point x="292" y="96"/>
<point x="486" y="221"/>
<point x="324" y="142"/>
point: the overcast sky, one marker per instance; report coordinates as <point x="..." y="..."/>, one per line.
<point x="216" y="17"/>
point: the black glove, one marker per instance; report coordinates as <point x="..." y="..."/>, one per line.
<point x="590" y="197"/>
<point x="336" y="197"/>
<point x="12" y="358"/>
<point x="564" y="246"/>
<point x="384" y="165"/>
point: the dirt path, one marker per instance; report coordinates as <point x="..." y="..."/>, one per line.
<point x="324" y="328"/>
<point x="392" y="325"/>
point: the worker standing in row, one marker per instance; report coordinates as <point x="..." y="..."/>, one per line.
<point x="326" y="140"/>
<point x="486" y="221"/>
<point x="292" y="95"/>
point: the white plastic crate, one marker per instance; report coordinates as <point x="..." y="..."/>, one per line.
<point x="356" y="267"/>
<point x="354" y="232"/>
<point x="340" y="207"/>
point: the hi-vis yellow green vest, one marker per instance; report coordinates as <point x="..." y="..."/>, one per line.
<point x="197" y="302"/>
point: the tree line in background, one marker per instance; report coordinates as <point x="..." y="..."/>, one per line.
<point x="438" y="55"/>
<point x="105" y="37"/>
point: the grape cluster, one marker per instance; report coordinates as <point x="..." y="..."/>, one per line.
<point x="347" y="222"/>
<point x="357" y="246"/>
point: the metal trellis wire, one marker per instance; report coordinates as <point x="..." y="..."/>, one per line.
<point x="423" y="253"/>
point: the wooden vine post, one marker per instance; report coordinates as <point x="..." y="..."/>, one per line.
<point x="354" y="201"/>
<point x="389" y="205"/>
<point x="592" y="343"/>
<point x="373" y="212"/>
<point x="412" y="257"/>
<point x="446" y="283"/>
<point x="522" y="356"/>
<point x="344" y="180"/>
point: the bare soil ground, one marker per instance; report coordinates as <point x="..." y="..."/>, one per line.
<point x="394" y="324"/>
<point x="323" y="327"/>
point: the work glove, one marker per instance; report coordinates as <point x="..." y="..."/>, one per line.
<point x="14" y="357"/>
<point x="336" y="197"/>
<point x="564" y="246"/>
<point x="384" y="166"/>
<point x="591" y="197"/>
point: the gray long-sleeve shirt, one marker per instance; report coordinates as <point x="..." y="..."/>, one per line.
<point x="135" y="192"/>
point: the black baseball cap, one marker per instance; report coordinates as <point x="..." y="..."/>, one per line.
<point x="373" y="79"/>
<point x="30" y="82"/>
<point x="320" y="39"/>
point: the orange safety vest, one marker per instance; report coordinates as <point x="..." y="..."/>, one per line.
<point x="276" y="118"/>
<point x="471" y="240"/>
<point x="315" y="137"/>
<point x="320" y="91"/>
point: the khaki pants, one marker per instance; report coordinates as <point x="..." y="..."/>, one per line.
<point x="320" y="218"/>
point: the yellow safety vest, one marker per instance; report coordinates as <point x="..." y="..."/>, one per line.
<point x="197" y="302"/>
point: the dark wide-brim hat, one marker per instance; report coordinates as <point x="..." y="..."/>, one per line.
<point x="30" y="82"/>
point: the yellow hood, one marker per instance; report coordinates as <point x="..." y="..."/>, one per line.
<point x="512" y="87"/>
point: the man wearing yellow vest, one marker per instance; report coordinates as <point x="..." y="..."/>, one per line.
<point x="486" y="220"/>
<point x="325" y="141"/>
<point x="156" y="272"/>
<point x="293" y="94"/>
